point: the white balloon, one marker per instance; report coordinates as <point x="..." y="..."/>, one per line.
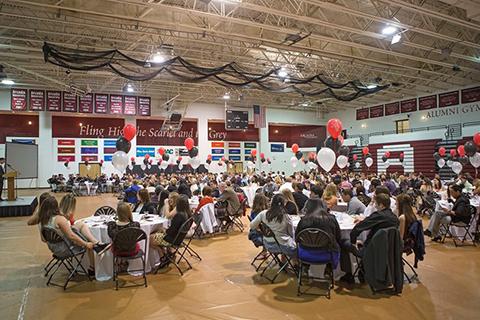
<point x="250" y="165"/>
<point x="457" y="167"/>
<point x="164" y="165"/>
<point x="369" y="162"/>
<point x="230" y="165"/>
<point x="130" y="166"/>
<point x="143" y="166"/>
<point x="441" y="163"/>
<point x="195" y="162"/>
<point x="449" y="163"/>
<point x="89" y="167"/>
<point x="342" y="162"/>
<point x="475" y="160"/>
<point x="120" y="160"/>
<point x="294" y="161"/>
<point x="357" y="164"/>
<point x="206" y="166"/>
<point x="326" y="159"/>
<point x="180" y="166"/>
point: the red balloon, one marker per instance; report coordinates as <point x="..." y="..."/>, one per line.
<point x="311" y="156"/>
<point x="223" y="159"/>
<point x="476" y="138"/>
<point x="387" y="154"/>
<point x="334" y="127"/>
<point x="253" y="152"/>
<point x="161" y="151"/>
<point x="189" y="143"/>
<point x="461" y="150"/>
<point x="132" y="159"/>
<point x="365" y="151"/>
<point x="442" y="151"/>
<point x="355" y="157"/>
<point x="453" y="152"/>
<point x="151" y="161"/>
<point x="179" y="158"/>
<point x="209" y="157"/>
<point x="268" y="159"/>
<point x="295" y="148"/>
<point x="147" y="156"/>
<point x="262" y="155"/>
<point x="129" y="132"/>
<point x="402" y="155"/>
<point x="101" y="161"/>
<point x="341" y="139"/>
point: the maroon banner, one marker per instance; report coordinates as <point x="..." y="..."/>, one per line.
<point x="101" y="103"/>
<point x="409" y="105"/>
<point x="19" y="99"/>
<point x="64" y="158"/>
<point x="376" y="111"/>
<point x="54" y="101"/>
<point x="66" y="150"/>
<point x="70" y="102"/>
<point x="86" y="103"/>
<point x="86" y="127"/>
<point x="144" y="106"/>
<point x="426" y="103"/>
<point x="116" y="104"/>
<point x="305" y="136"/>
<point x="471" y="95"/>
<point x="149" y="133"/>
<point x="448" y="99"/>
<point x="37" y="100"/>
<point x="392" y="108"/>
<point x="362" y="114"/>
<point x="17" y="125"/>
<point x="66" y="142"/>
<point x="90" y="158"/>
<point x="217" y="132"/>
<point x="130" y="105"/>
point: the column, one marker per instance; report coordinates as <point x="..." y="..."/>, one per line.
<point x="45" y="149"/>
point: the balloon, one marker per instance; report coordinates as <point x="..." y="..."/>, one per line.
<point x="342" y="161"/>
<point x="470" y="148"/>
<point x="355" y="157"/>
<point x="402" y="156"/>
<point x="319" y="146"/>
<point x="365" y="151"/>
<point x="262" y="155"/>
<point x="165" y="158"/>
<point x="123" y="144"/>
<point x="334" y="127"/>
<point x="161" y="151"/>
<point x="442" y="151"/>
<point x="189" y="143"/>
<point x="449" y="163"/>
<point x="147" y="156"/>
<point x="384" y="158"/>
<point x="369" y="162"/>
<point x="66" y="164"/>
<point x="129" y="132"/>
<point x="475" y="160"/>
<point x="461" y="150"/>
<point x="299" y="155"/>
<point x="253" y="153"/>
<point x="344" y="151"/>
<point x="387" y="154"/>
<point x="341" y="140"/>
<point x="312" y="165"/>
<point x="311" y="156"/>
<point x="333" y="144"/>
<point x="326" y="159"/>
<point x="476" y="138"/>
<point x="463" y="160"/>
<point x="120" y="160"/>
<point x="453" y="152"/>
<point x="223" y="159"/>
<point x="164" y="164"/>
<point x="357" y="165"/>
<point x="180" y="166"/>
<point x="295" y="148"/>
<point x="387" y="164"/>
<point x="294" y="161"/>
<point x="457" y="167"/>
<point x="143" y="166"/>
<point x="195" y="162"/>
<point x="193" y="152"/>
<point x="440" y="163"/>
<point x="250" y="165"/>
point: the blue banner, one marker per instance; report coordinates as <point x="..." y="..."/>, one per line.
<point x="216" y="158"/>
<point x="248" y="152"/>
<point x="143" y="151"/>
<point x="235" y="158"/>
<point x="234" y="151"/>
<point x="24" y="141"/>
<point x="109" y="143"/>
<point x="217" y="151"/>
<point x="277" y="147"/>
<point x="89" y="150"/>
<point x="107" y="158"/>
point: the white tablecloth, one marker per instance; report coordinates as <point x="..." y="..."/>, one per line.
<point x="250" y="193"/>
<point x="88" y="185"/>
<point x="104" y="263"/>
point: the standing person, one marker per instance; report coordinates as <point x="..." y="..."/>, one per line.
<point x="2" y="172"/>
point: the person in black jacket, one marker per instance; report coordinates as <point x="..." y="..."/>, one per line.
<point x="2" y="172"/>
<point x="460" y="212"/>
<point x="298" y="195"/>
<point x="381" y="219"/>
<point x="147" y="206"/>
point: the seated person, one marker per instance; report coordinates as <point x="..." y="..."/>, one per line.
<point x="291" y="206"/>
<point x="316" y="191"/>
<point x="162" y="240"/>
<point x="162" y="208"/>
<point x="183" y="188"/>
<point x="206" y="198"/>
<point x="145" y="205"/>
<point x="361" y="195"/>
<point x="230" y="197"/>
<point x="380" y="190"/>
<point x="330" y="195"/>
<point x="260" y="203"/>
<point x="381" y="218"/>
<point x="170" y="211"/>
<point x="460" y="212"/>
<point x="354" y="206"/>
<point x="131" y="193"/>
<point x="156" y="195"/>
<point x="279" y="221"/>
<point x="125" y="220"/>
<point x="34" y="219"/>
<point x="406" y="214"/>
<point x="298" y="195"/>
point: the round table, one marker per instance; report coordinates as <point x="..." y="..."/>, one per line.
<point x="250" y="193"/>
<point x="104" y="263"/>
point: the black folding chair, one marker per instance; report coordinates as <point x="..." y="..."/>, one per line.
<point x="188" y="239"/>
<point x="105" y="211"/>
<point x="275" y="254"/>
<point x="124" y="242"/>
<point x="313" y="241"/>
<point x="261" y="256"/>
<point x="234" y="219"/>
<point x="72" y="260"/>
<point x="463" y="226"/>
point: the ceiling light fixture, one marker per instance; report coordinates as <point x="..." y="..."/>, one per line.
<point x="129" y="88"/>
<point x="396" y="38"/>
<point x="372" y="86"/>
<point x="389" y="30"/>
<point x="8" y="82"/>
<point x="157" y="58"/>
<point x="226" y="96"/>
<point x="282" y="73"/>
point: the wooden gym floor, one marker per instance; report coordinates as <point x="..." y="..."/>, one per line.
<point x="224" y="285"/>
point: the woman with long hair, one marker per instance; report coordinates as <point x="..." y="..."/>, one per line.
<point x="406" y="213"/>
<point x="34" y="219"/>
<point x="124" y="220"/>
<point x="145" y="205"/>
<point x="260" y="203"/>
<point x="290" y="206"/>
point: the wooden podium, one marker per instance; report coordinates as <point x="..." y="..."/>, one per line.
<point x="11" y="176"/>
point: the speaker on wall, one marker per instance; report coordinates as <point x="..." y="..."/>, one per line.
<point x="175" y="117"/>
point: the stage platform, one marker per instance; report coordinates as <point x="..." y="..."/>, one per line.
<point x="23" y="206"/>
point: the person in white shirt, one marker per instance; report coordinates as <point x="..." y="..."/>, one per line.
<point x="287" y="185"/>
<point x="371" y="207"/>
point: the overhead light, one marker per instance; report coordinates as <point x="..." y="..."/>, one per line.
<point x="276" y="131"/>
<point x="128" y="88"/>
<point x="8" y="82"/>
<point x="226" y="96"/>
<point x="157" y="58"/>
<point x="372" y="86"/>
<point x="282" y="73"/>
<point x="29" y="123"/>
<point x="80" y="124"/>
<point x="389" y="30"/>
<point x="305" y="104"/>
<point x="396" y="38"/>
<point x="364" y="125"/>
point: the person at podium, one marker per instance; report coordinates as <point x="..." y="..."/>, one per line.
<point x="2" y="172"/>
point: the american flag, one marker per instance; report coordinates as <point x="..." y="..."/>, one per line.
<point x="259" y="116"/>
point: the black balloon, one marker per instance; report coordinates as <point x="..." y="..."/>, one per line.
<point x="436" y="156"/>
<point x="470" y="148"/>
<point x="463" y="160"/>
<point x="299" y="155"/>
<point x="165" y="157"/>
<point x="65" y="164"/>
<point x="145" y="161"/>
<point x="193" y="152"/>
<point x="208" y="161"/>
<point x="123" y="145"/>
<point x="344" y="151"/>
<point x="384" y="158"/>
<point x="305" y="161"/>
<point x="333" y="144"/>
<point x="178" y="161"/>
<point x="263" y="160"/>
<point x="320" y="145"/>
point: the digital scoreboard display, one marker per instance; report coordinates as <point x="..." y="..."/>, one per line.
<point x="236" y="120"/>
